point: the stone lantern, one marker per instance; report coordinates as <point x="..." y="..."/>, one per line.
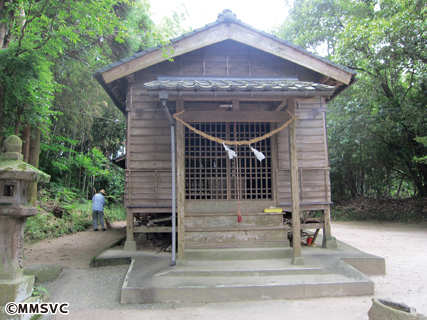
<point x="15" y="176"/>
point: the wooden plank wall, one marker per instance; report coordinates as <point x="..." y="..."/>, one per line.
<point x="148" y="177"/>
<point x="149" y="187"/>
<point x="313" y="162"/>
<point x="228" y="59"/>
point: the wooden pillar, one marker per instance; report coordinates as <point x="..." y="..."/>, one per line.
<point x="297" y="258"/>
<point x="328" y="241"/>
<point x="327" y="232"/>
<point x="180" y="182"/>
<point x="130" y="244"/>
<point x="274" y="163"/>
<point x="129" y="224"/>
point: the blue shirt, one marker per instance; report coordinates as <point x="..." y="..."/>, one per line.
<point x="98" y="202"/>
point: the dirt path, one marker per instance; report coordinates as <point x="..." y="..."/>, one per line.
<point x="95" y="293"/>
<point x="404" y="248"/>
<point x="73" y="251"/>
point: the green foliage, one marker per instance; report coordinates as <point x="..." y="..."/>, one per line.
<point x="171" y="27"/>
<point x="423" y="141"/>
<point x="316" y="24"/>
<point x="114" y="183"/>
<point x="373" y="126"/>
<point x="168" y="28"/>
<point x="96" y="166"/>
<point x="46" y="225"/>
<point x="39" y="291"/>
<point x="48" y="51"/>
<point x="35" y="33"/>
<point x="27" y="85"/>
<point x="77" y="217"/>
<point x="58" y="194"/>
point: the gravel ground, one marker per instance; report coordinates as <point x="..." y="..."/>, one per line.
<point x="95" y="293"/>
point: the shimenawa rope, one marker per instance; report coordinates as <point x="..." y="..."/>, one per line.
<point x="238" y="143"/>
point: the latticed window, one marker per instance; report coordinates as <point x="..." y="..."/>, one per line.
<point x="210" y="174"/>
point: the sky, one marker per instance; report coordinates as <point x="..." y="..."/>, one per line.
<point x="263" y="15"/>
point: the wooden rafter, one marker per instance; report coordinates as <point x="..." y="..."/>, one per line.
<point x="282" y="105"/>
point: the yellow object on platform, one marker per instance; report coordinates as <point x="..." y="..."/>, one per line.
<point x="273" y="210"/>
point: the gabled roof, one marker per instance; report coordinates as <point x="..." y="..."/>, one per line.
<point x="226" y="27"/>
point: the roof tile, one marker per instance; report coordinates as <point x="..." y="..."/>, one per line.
<point x="236" y="85"/>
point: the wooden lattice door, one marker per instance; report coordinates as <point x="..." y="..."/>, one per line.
<point x="211" y="175"/>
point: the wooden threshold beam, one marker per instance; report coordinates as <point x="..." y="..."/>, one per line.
<point x="143" y="229"/>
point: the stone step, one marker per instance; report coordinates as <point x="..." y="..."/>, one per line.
<point x="241" y="268"/>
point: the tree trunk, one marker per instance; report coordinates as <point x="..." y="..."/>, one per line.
<point x="400" y="187"/>
<point x="51" y="136"/>
<point x="351" y="183"/>
<point x="68" y="178"/>
<point x="3" y="27"/>
<point x="2" y="106"/>
<point x="26" y="136"/>
<point x="416" y="179"/>
<point x="422" y="169"/>
<point x="33" y="160"/>
<point x="18" y="121"/>
<point x="82" y="179"/>
<point x="362" y="173"/>
<point x="84" y="183"/>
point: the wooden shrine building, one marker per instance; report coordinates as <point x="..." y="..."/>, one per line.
<point x="228" y="82"/>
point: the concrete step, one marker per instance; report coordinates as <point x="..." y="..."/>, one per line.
<point x="242" y="268"/>
<point x="216" y="281"/>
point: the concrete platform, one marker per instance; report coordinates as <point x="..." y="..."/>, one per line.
<point x="247" y="274"/>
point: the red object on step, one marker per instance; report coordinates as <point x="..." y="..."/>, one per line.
<point x="239" y="218"/>
<point x="309" y="241"/>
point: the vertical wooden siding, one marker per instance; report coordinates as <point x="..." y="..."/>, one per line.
<point x="313" y="160"/>
<point x="148" y="178"/>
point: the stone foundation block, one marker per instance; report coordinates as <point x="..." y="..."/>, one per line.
<point x="16" y="290"/>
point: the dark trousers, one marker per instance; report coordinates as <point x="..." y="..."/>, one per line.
<point x="95" y="215"/>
